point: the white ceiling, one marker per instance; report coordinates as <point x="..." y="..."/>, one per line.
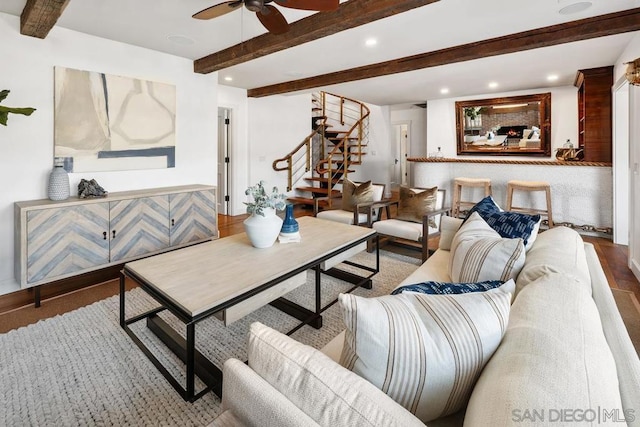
<point x="149" y="23"/>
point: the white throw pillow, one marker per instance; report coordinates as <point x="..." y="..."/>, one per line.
<point x="424" y="351"/>
<point x="328" y="393"/>
<point x="478" y="253"/>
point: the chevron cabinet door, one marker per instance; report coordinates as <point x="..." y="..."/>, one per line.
<point x="193" y="217"/>
<point x="138" y="227"/>
<point x="62" y="241"/>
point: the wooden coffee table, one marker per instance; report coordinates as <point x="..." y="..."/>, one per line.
<point x="229" y="278"/>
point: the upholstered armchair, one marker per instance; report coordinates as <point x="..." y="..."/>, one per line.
<point x="416" y="218"/>
<point x="360" y="204"/>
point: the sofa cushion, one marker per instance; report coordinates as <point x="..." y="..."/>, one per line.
<point x="425" y="351"/>
<point x="401" y="229"/>
<point x="478" y="253"/>
<point x="449" y="226"/>
<point x="248" y="399"/>
<point x="436" y="268"/>
<point x="507" y="223"/>
<point x="444" y="288"/>
<point x="328" y="393"/>
<point x="554" y="356"/>
<point x="558" y="250"/>
<point x="415" y="203"/>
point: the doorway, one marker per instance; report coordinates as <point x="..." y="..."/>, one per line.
<point x="224" y="160"/>
<point x="400" y="175"/>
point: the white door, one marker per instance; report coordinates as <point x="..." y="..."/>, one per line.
<point x="634" y="201"/>
<point x="400" y="171"/>
<point x="621" y="164"/>
<point x="224" y="159"/>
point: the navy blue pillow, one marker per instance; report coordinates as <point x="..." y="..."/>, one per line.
<point x="441" y="288"/>
<point x="511" y="225"/>
<point x="484" y="207"/>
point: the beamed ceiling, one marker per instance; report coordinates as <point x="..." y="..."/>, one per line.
<point x="422" y="45"/>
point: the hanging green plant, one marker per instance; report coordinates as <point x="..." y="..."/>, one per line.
<point x="4" y="111"/>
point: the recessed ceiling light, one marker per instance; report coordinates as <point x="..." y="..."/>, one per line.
<point x="181" y="40"/>
<point x="228" y="79"/>
<point x="371" y="42"/>
<point x="574" y="7"/>
<point x="553" y="77"/>
<point x="444" y="90"/>
<point x="493" y="85"/>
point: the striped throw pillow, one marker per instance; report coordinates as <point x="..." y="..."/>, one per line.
<point x="478" y="253"/>
<point x="424" y="351"/>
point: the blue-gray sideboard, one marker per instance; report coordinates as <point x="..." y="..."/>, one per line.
<point x="59" y="239"/>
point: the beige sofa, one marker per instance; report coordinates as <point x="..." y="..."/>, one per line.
<point x="565" y="358"/>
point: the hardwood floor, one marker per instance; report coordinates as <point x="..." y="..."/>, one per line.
<point x="612" y="257"/>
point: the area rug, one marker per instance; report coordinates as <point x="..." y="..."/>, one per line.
<point x="82" y="369"/>
<point x="630" y="312"/>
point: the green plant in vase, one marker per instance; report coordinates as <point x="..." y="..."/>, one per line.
<point x="4" y="111"/>
<point x="263" y="200"/>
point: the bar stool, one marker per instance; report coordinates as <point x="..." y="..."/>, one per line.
<point x="530" y="186"/>
<point x="458" y="183"/>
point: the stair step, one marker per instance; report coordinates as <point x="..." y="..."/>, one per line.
<point x="305" y="201"/>
<point x="323" y="179"/>
<point x="323" y="171"/>
<point x="319" y="190"/>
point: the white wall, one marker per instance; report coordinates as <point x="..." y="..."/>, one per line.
<point x="27" y="142"/>
<point x="277" y="125"/>
<point x="564" y="120"/>
<point x="377" y="164"/>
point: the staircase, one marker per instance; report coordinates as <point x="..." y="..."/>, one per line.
<point x="335" y="147"/>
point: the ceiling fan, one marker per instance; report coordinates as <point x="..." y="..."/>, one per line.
<point x="268" y="15"/>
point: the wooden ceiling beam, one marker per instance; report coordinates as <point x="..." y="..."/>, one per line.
<point x="348" y="15"/>
<point x="598" y="26"/>
<point x="39" y="16"/>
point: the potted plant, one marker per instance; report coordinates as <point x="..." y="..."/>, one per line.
<point x="4" y="111"/>
<point x="473" y="116"/>
<point x="263" y="226"/>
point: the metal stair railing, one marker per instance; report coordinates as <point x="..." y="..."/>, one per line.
<point x="298" y="161"/>
<point x="343" y="110"/>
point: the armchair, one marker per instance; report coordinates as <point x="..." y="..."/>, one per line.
<point x="360" y="204"/>
<point x="417" y="218"/>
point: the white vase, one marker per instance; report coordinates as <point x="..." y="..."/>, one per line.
<point x="263" y="230"/>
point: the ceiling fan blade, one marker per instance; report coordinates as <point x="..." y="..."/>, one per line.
<point x="218" y="10"/>
<point x="273" y="20"/>
<point x="319" y="5"/>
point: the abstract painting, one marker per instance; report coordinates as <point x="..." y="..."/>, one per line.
<point x="108" y="123"/>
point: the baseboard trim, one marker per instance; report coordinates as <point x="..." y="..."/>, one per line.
<point x="635" y="269"/>
<point x="25" y="297"/>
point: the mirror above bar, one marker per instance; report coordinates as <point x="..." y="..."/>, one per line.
<point x="516" y="126"/>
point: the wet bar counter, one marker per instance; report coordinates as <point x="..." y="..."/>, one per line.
<point x="581" y="192"/>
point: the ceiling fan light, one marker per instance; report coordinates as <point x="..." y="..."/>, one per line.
<point x="633" y="72"/>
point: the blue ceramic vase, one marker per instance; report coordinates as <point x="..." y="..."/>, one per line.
<point x="289" y="225"/>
